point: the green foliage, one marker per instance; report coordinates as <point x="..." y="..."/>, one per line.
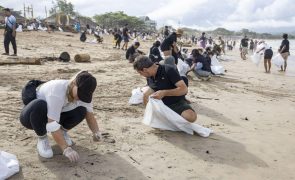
<point x="62" y="6"/>
<point x="119" y="19"/>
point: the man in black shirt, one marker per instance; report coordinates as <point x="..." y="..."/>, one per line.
<point x="133" y="52"/>
<point x="284" y="50"/>
<point x="165" y="83"/>
<point x="244" y="47"/>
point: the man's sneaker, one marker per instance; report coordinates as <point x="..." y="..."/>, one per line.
<point x="44" y="148"/>
<point x="67" y="138"/>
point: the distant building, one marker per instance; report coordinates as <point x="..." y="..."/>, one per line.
<point x="151" y="24"/>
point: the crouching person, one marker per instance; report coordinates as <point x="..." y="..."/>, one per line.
<point x="132" y="52"/>
<point x="166" y="84"/>
<point x="60" y="105"/>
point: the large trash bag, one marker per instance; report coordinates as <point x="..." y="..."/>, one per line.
<point x="182" y="67"/>
<point x="277" y="60"/>
<point x="216" y="67"/>
<point x="158" y="115"/>
<point x="255" y="58"/>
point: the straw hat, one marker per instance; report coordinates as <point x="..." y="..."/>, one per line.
<point x="179" y="31"/>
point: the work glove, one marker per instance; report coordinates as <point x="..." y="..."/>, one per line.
<point x="71" y="154"/>
<point x="97" y="136"/>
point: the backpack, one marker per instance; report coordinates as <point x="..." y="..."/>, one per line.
<point x="29" y="92"/>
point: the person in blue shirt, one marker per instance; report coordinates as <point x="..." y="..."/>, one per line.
<point x="9" y="32"/>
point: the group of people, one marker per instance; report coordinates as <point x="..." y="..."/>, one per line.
<point x="57" y="106"/>
<point x="261" y="47"/>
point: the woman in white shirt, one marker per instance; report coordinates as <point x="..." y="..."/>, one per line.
<point x="268" y="53"/>
<point x="59" y="106"/>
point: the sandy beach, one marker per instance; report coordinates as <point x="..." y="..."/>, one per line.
<point x="251" y="112"/>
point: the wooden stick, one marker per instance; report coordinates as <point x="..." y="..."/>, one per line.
<point x="20" y="60"/>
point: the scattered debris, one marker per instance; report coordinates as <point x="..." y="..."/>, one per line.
<point x="133" y="159"/>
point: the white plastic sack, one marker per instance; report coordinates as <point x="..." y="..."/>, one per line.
<point x="182" y="67"/>
<point x="278" y="60"/>
<point x="158" y="115"/>
<point x="19" y="28"/>
<point x="60" y="29"/>
<point x="256" y="57"/>
<point x="136" y="97"/>
<point x="216" y="67"/>
<point x="214" y="61"/>
<point x="30" y="28"/>
<point x="9" y="165"/>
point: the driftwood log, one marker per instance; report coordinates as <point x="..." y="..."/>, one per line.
<point x="82" y="58"/>
<point x="21" y="60"/>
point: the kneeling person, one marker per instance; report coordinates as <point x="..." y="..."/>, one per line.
<point x="165" y="83"/>
<point x="132" y="52"/>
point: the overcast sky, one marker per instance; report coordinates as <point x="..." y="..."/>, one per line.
<point x="257" y="15"/>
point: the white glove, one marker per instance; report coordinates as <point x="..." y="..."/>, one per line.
<point x="71" y="154"/>
<point x="97" y="136"/>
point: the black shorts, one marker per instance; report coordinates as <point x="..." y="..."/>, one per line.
<point x="268" y="54"/>
<point x="180" y="106"/>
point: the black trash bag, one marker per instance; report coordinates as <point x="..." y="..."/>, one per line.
<point x="65" y="57"/>
<point x="83" y="37"/>
<point x="29" y="91"/>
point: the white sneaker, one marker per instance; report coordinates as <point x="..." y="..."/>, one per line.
<point x="44" y="148"/>
<point x="67" y="138"/>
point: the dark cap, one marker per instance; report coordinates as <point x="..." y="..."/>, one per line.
<point x="6" y="9"/>
<point x="86" y="84"/>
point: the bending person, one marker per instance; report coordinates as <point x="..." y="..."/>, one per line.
<point x="165" y="83"/>
<point x="61" y="105"/>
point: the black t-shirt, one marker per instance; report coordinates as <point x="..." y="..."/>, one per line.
<point x="166" y="78"/>
<point x="118" y="37"/>
<point x="244" y="42"/>
<point x="168" y="42"/>
<point x="155" y="54"/>
<point x="285" y="43"/>
<point x="130" y="51"/>
<point x="206" y="61"/>
<point x="125" y="30"/>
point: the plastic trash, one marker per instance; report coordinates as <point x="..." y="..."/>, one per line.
<point x="216" y="67"/>
<point x="182" y="67"/>
<point x="136" y="97"/>
<point x="9" y="165"/>
<point x="158" y="115"/>
<point x="278" y="60"/>
<point x="19" y="28"/>
<point x="255" y="58"/>
<point x="217" y="70"/>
